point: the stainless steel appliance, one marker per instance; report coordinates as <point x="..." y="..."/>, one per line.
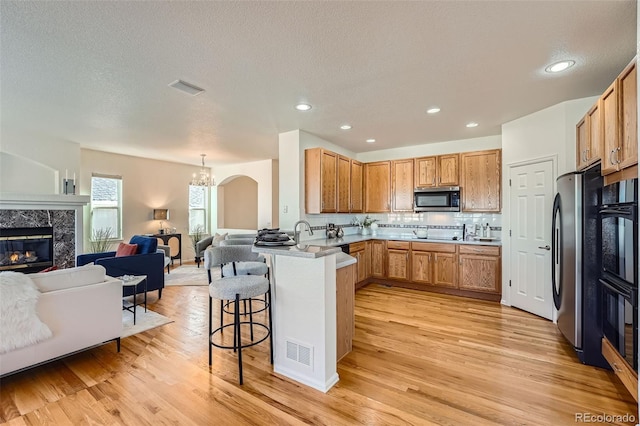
<point x="575" y="262"/>
<point x="437" y="199"/>
<point x="619" y="274"/>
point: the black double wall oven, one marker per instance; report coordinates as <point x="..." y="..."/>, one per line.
<point x="618" y="214"/>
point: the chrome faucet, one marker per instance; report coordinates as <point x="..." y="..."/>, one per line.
<point x="296" y="233"/>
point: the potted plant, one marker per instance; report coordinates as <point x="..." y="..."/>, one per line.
<point x="366" y="225"/>
<point x="197" y="232"/>
<point x="100" y="240"/>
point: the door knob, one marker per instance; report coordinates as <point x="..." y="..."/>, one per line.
<point x="545" y="247"/>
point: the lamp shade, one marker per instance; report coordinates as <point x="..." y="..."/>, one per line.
<point x="160" y="214"/>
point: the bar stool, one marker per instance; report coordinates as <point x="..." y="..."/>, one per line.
<point x="236" y="288"/>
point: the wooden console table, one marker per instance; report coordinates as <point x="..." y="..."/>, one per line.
<point x="174" y="241"/>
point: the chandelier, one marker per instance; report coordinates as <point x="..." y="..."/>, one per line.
<point x="203" y="179"/>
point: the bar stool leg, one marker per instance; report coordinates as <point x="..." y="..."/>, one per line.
<point x="239" y="340"/>
<point x="210" y="327"/>
<point x="251" y="318"/>
<point x="222" y="315"/>
<point x="270" y="325"/>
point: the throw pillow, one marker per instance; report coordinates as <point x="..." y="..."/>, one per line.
<point x="125" y="249"/>
<point x="146" y="245"/>
<point x="49" y="269"/>
<point x="217" y="238"/>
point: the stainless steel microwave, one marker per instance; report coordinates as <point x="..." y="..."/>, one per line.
<point x="446" y="199"/>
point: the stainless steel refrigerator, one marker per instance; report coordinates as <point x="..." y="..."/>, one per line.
<point x="575" y="266"/>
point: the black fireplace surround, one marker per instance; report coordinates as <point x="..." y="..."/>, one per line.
<point x="26" y="250"/>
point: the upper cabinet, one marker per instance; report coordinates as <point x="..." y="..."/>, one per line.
<point x="377" y="178"/>
<point x="619" y="109"/>
<point x="435" y="171"/>
<point x="402" y="185"/>
<point x="344" y="184"/>
<point x="357" y="187"/>
<point x="480" y="181"/>
<point x="589" y="138"/>
<point x="321" y="180"/>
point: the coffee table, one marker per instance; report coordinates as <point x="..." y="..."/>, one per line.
<point x="133" y="281"/>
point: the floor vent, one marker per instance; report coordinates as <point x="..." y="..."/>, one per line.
<point x="300" y="353"/>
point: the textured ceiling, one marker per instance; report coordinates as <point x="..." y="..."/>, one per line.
<point x="96" y="73"/>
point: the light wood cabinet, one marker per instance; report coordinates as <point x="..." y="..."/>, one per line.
<point x="320" y="181"/>
<point x="621" y="368"/>
<point x="402" y="185"/>
<point x="480" y="181"/>
<point x="357" y="187"/>
<point x="435" y="171"/>
<point x="362" y="255"/>
<point x="479" y="269"/>
<point x="619" y="108"/>
<point x="378" y="258"/>
<point x="345" y="304"/>
<point x="398" y="262"/>
<point x="377" y="194"/>
<point x="344" y="184"/>
<point x="434" y="264"/>
<point x="589" y="138"/>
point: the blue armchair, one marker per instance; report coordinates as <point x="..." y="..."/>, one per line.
<point x="148" y="262"/>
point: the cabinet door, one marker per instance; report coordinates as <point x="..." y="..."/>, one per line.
<point x="445" y="270"/>
<point x="448" y="170"/>
<point x="582" y="143"/>
<point x="356" y="187"/>
<point x="368" y="258"/>
<point x="402" y="185"/>
<point x="328" y="164"/>
<point x="479" y="273"/>
<point x="398" y="264"/>
<point x="609" y="124"/>
<point x="480" y="181"/>
<point x="345" y="303"/>
<point x="421" y="270"/>
<point x="594" y="147"/>
<point x="377" y="179"/>
<point x="344" y="184"/>
<point x="425" y="169"/>
<point x="378" y="258"/>
<point x="362" y="267"/>
<point x="627" y="151"/>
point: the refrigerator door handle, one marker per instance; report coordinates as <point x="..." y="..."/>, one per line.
<point x="556" y="253"/>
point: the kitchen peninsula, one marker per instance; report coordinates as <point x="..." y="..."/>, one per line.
<point x="303" y="285"/>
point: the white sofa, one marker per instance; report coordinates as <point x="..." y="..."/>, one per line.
<point x="82" y="307"/>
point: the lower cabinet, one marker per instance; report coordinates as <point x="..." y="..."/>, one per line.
<point x="434" y="264"/>
<point x="479" y="268"/>
<point x="398" y="262"/>
<point x="345" y="302"/>
<point x="362" y="252"/>
<point x="378" y="258"/>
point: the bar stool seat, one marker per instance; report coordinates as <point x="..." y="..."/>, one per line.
<point x="245" y="268"/>
<point x="245" y="286"/>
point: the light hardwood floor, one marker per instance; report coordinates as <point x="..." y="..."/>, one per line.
<point x="419" y="358"/>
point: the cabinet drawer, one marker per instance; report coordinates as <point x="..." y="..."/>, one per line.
<point x="354" y="247"/>
<point x="485" y="250"/>
<point x="439" y="247"/>
<point x="401" y="245"/>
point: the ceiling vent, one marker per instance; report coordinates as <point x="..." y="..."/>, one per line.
<point x="186" y="87"/>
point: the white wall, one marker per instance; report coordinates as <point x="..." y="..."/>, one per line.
<point x="549" y="133"/>
<point x="261" y="172"/>
<point x="53" y="157"/>
<point x="146" y="184"/>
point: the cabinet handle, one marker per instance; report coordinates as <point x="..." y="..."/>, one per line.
<point x="434" y="180"/>
<point x="611" y="155"/>
<point x="586" y="154"/>
<point x="439" y="180"/>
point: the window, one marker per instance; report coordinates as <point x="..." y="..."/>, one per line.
<point x="198" y="201"/>
<point x="106" y="205"/>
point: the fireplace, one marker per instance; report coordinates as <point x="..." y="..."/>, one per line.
<point x="26" y="249"/>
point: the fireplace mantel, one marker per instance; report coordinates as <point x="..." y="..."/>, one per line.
<point x="13" y="201"/>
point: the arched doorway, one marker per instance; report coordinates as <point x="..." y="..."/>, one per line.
<point x="238" y="203"/>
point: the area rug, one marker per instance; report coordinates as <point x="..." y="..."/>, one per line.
<point x="189" y="275"/>
<point x="144" y="321"/>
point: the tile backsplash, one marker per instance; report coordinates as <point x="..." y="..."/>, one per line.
<point x="439" y="224"/>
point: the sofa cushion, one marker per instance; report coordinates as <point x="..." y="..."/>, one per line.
<point x="146" y="245"/>
<point x="217" y="238"/>
<point x="49" y="269"/>
<point x="125" y="249"/>
<point x="68" y="278"/>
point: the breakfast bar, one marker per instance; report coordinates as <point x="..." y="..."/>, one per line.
<point x="303" y="290"/>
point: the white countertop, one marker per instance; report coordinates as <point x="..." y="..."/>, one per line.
<point x="356" y="238"/>
<point x="299" y="250"/>
<point x="343" y="259"/>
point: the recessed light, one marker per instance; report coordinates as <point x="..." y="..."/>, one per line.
<point x="371" y="140"/>
<point x="472" y="124"/>
<point x="433" y="110"/>
<point x="559" y="66"/>
<point x="303" y="107"/>
<point x="346" y="127"/>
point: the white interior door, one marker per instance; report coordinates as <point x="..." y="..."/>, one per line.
<point x="531" y="201"/>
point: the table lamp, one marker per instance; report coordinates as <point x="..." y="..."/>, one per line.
<point x="161" y="215"/>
